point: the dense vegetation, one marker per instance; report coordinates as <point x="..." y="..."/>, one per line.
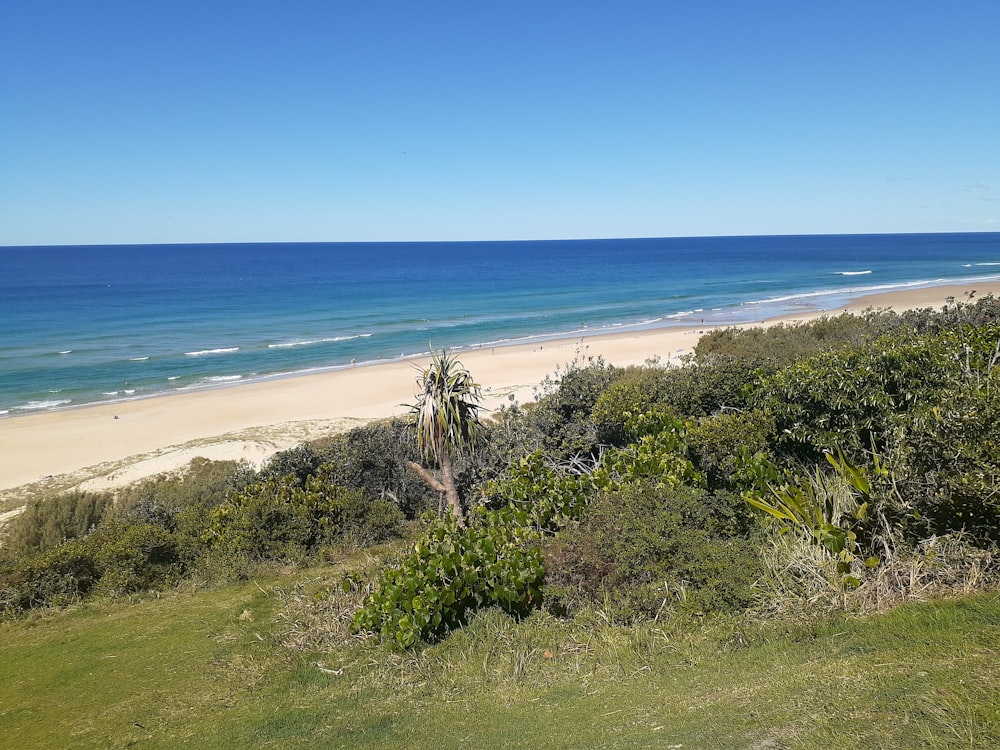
<point x="847" y="463"/>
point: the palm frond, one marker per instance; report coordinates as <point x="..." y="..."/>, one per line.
<point x="447" y="408"/>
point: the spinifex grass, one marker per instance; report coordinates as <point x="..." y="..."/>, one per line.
<point x="209" y="669"/>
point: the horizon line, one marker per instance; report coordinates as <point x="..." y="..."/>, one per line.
<point x="493" y="241"/>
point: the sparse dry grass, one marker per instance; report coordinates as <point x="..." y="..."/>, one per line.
<point x="803" y="577"/>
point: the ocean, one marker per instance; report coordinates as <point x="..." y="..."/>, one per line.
<point x="94" y="324"/>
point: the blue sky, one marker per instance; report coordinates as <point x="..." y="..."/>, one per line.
<point x="203" y="121"/>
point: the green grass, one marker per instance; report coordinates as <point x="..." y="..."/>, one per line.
<point x="207" y="669"/>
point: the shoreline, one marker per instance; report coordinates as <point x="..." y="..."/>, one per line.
<point x="103" y="446"/>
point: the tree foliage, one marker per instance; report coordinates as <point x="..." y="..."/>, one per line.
<point x="446" y="417"/>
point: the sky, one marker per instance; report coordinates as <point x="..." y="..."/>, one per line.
<point x="163" y="121"/>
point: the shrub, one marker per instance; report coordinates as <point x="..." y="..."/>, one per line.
<point x="546" y="495"/>
<point x="550" y="495"/>
<point x="61" y="575"/>
<point x="852" y="399"/>
<point x="279" y="520"/>
<point x="643" y="548"/>
<point x="135" y="557"/>
<point x="50" y="521"/>
<point x="657" y="452"/>
<point x="774" y="347"/>
<point x="637" y="390"/>
<point x="115" y="560"/>
<point x="300" y="463"/>
<point x="718" y="442"/>
<point x="373" y="458"/>
<point x="452" y="572"/>
<point x="698" y="390"/>
<point x="203" y="483"/>
<point x="947" y="467"/>
<point x="564" y="405"/>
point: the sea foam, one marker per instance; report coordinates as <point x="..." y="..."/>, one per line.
<point x="39" y="405"/>
<point x="311" y="342"/>
<point x="205" y="352"/>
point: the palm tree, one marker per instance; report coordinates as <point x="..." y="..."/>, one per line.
<point x="446" y="416"/>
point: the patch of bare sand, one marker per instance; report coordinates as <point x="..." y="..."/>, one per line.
<point x="253" y="446"/>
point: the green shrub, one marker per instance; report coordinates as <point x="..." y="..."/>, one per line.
<point x="136" y="557"/>
<point x="947" y="467"/>
<point x="50" y="521"/>
<point x="657" y="452"/>
<point x="117" y="559"/>
<point x="853" y="399"/>
<point x="547" y="496"/>
<point x="202" y="483"/>
<point x="299" y="463"/>
<point x="774" y="347"/>
<point x="698" y="390"/>
<point x="278" y="519"/>
<point x="637" y="390"/>
<point x="59" y="576"/>
<point x="373" y="458"/>
<point x="564" y="405"/>
<point x="718" y="442"/>
<point x="507" y="435"/>
<point x="452" y="572"/>
<point x="643" y="548"/>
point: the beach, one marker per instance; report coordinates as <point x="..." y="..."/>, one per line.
<point x="108" y="445"/>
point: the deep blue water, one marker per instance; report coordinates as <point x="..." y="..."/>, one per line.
<point x="92" y="323"/>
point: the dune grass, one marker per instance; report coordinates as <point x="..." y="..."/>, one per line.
<point x="211" y="669"/>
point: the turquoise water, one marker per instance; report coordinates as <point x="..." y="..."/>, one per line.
<point x="97" y="324"/>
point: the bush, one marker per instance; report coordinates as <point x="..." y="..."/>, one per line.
<point x="562" y="411"/>
<point x="49" y="522"/>
<point x="299" y="463"/>
<point x="56" y="577"/>
<point x="279" y="520"/>
<point x="136" y="557"/>
<point x="657" y="452"/>
<point x="637" y="390"/>
<point x="947" y="467"/>
<point x="117" y="559"/>
<point x="777" y="346"/>
<point x="698" y="390"/>
<point x="644" y="548"/>
<point x="547" y="496"/>
<point x="373" y="458"/>
<point x="853" y="399"/>
<point x="202" y="483"/>
<point x="718" y="442"/>
<point x="550" y="495"/>
<point x="452" y="572"/>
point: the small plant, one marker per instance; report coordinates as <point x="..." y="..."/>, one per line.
<point x="825" y="511"/>
<point x="549" y="497"/>
<point x="452" y="572"/>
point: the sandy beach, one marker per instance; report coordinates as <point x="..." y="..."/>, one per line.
<point x="109" y="445"/>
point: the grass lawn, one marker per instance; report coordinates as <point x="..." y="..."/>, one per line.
<point x="208" y="669"/>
